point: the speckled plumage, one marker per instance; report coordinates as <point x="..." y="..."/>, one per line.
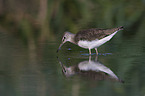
<point x="94" y="33"/>
<point x="90" y="38"/>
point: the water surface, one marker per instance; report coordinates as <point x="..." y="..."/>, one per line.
<point x="36" y="71"/>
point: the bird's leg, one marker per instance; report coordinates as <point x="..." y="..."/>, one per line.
<point x="96" y="51"/>
<point x="90" y="51"/>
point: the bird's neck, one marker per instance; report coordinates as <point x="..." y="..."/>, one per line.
<point x="72" y="36"/>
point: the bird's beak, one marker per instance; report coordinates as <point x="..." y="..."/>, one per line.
<point x="60" y="46"/>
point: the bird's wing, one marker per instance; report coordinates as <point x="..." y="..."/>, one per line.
<point x="95" y="33"/>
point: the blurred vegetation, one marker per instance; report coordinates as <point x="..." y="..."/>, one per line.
<point x="41" y="20"/>
<point x="37" y="21"/>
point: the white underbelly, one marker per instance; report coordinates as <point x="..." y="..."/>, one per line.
<point x="95" y="43"/>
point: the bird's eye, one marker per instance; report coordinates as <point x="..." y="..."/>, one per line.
<point x="63" y="38"/>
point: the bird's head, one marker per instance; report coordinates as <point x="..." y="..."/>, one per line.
<point x="66" y="37"/>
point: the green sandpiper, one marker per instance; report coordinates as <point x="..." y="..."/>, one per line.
<point x="90" y="38"/>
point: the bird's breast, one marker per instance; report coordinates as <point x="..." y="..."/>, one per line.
<point x="94" y="43"/>
<point x="87" y="44"/>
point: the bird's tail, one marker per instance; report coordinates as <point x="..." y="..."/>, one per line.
<point x="120" y="28"/>
<point x="112" y="30"/>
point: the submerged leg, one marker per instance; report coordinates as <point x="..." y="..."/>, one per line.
<point x="96" y="51"/>
<point x="90" y="51"/>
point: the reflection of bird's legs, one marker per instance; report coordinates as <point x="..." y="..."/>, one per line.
<point x="96" y="51"/>
<point x="96" y="59"/>
<point x="89" y="58"/>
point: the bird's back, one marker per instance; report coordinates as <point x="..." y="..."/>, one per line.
<point x="95" y="33"/>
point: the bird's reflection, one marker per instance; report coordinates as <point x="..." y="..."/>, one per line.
<point x="91" y="69"/>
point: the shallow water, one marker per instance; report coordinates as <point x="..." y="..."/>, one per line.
<point x="38" y="71"/>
